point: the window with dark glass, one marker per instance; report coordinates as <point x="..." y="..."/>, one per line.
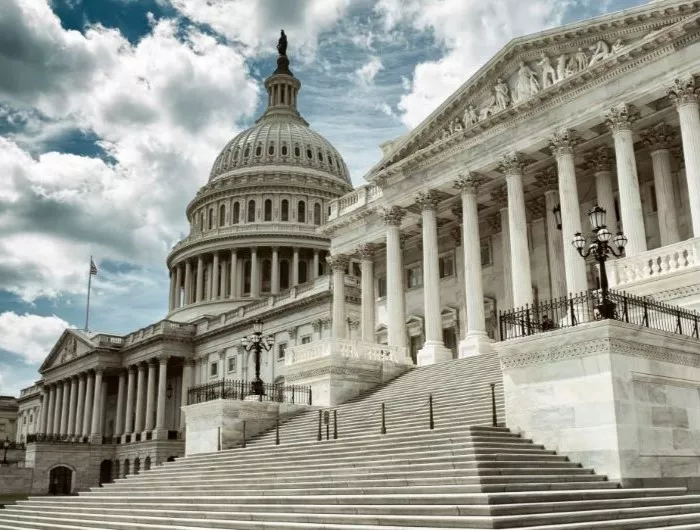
<point x="301" y="212"/>
<point x="284" y="150"/>
<point x="251" y="211"/>
<point x="414" y="277"/>
<point x="235" y="217"/>
<point x="211" y="218"/>
<point x="284" y="274"/>
<point x="303" y="275"/>
<point x="446" y="265"/>
<point x="317" y="214"/>
<point x="268" y="210"/>
<point x="284" y="210"/>
<point x="222" y="215"/>
<point x="381" y="286"/>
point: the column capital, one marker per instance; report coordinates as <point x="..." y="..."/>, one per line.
<point x="684" y="91"/>
<point x="99" y="371"/>
<point x="427" y="200"/>
<point x="275" y="248"/>
<point x="163" y="359"/>
<point x="469" y="183"/>
<point x="600" y="159"/>
<point x="547" y="178"/>
<point x="393" y="215"/>
<point x="621" y="118"/>
<point x="563" y="142"/>
<point x="338" y="262"/>
<point x="366" y="251"/>
<point x="658" y="137"/>
<point x="512" y="164"/>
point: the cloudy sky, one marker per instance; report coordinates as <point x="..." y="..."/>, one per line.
<point x="112" y="111"/>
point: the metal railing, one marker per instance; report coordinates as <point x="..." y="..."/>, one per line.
<point x="55" y="439"/>
<point x="592" y="306"/>
<point x="225" y="389"/>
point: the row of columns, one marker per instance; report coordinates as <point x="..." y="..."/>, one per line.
<point x="224" y="275"/>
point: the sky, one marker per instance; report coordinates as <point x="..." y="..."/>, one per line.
<point x="112" y="112"/>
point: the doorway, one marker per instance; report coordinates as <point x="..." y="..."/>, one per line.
<point x="105" y="472"/>
<point x="60" y="481"/>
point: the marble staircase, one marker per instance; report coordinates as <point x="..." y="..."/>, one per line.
<point x="463" y="474"/>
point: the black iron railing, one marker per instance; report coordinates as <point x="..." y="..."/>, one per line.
<point x="55" y="439"/>
<point x="592" y="306"/>
<point x="242" y="389"/>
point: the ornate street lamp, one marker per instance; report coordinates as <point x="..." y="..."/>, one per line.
<point x="600" y="248"/>
<point x="257" y="343"/>
<point x="6" y="444"/>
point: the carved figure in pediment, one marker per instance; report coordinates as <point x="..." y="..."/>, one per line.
<point x="581" y="60"/>
<point x="470" y="116"/>
<point x="456" y="126"/>
<point x="562" y="70"/>
<point x="489" y="109"/>
<point x="617" y="46"/>
<point x="601" y="51"/>
<point x="527" y="84"/>
<point x="502" y="93"/>
<point x="549" y="75"/>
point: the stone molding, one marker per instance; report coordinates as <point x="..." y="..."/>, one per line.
<point x="621" y="118"/>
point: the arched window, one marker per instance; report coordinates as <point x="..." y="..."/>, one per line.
<point x="309" y="153"/>
<point x="236" y="216"/>
<point x="284" y="149"/>
<point x="246" y="277"/>
<point x="246" y="153"/>
<point x="301" y="212"/>
<point x="268" y="210"/>
<point x="317" y="214"/>
<point x="297" y="151"/>
<point x="266" y="275"/>
<point x="137" y="465"/>
<point x="303" y="274"/>
<point x="201" y="221"/>
<point x="236" y="152"/>
<point x="258" y="150"/>
<point x="127" y="467"/>
<point x="251" y="211"/>
<point x="284" y="274"/>
<point x="222" y="215"/>
<point x="147" y="463"/>
<point x="211" y="218"/>
<point x="271" y="149"/>
<point x="284" y="210"/>
<point x="320" y="156"/>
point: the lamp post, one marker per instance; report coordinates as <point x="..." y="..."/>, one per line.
<point x="600" y="248"/>
<point x="6" y="444"/>
<point x="257" y="343"/>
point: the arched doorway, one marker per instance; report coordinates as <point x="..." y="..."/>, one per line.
<point x="105" y="472"/>
<point x="127" y="467"/>
<point x="60" y="481"/>
<point x="137" y="465"/>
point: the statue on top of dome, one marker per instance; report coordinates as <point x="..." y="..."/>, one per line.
<point x="282" y="44"/>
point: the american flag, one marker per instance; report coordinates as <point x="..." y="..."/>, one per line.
<point x="93" y="268"/>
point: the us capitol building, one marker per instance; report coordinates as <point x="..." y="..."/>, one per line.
<point x="468" y="217"/>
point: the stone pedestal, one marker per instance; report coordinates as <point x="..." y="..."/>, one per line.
<point x="621" y="399"/>
<point x="216" y="425"/>
<point x="475" y="344"/>
<point x="433" y="352"/>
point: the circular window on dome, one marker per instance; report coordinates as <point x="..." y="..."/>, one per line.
<point x="284" y="150"/>
<point x="309" y="154"/>
<point x="271" y="150"/>
<point x="258" y="150"/>
<point x="297" y="152"/>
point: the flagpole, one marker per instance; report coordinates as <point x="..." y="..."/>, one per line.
<point x="87" y="309"/>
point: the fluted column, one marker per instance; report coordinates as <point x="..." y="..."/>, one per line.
<point x="314" y="274"/>
<point x="209" y="291"/>
<point x="188" y="282"/>
<point x="57" y="408"/>
<point x="338" y="263"/>
<point x="223" y="282"/>
<point x="658" y="139"/>
<point x="44" y="410"/>
<point x="395" y="301"/>
<point x="275" y="280"/>
<point x="129" y="412"/>
<point x="121" y="394"/>
<point x="200" y="279"/>
<point x="234" y="275"/>
<point x="150" y="396"/>
<point x="506" y="257"/>
<point x="72" y="405"/>
<point x="555" y="248"/>
<point x="89" y="394"/>
<point x="65" y="407"/>
<point x="171" y="302"/>
<point x="97" y="405"/>
<point x="254" y="273"/>
<point x="187" y="376"/>
<point x="162" y="385"/>
<point x="366" y="254"/>
<point x="601" y="161"/>
<point x="177" y="300"/>
<point x="685" y="94"/>
<point x="295" y="266"/>
<point x="512" y="168"/>
<point x="50" y="409"/>
<point x="80" y="406"/>
<point x="140" y="391"/>
<point x="562" y="146"/>
<point x="620" y="120"/>
<point x="215" y="278"/>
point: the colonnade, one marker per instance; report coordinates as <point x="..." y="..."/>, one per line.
<point x="235" y="273"/>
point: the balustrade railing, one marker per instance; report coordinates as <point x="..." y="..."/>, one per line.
<point x="56" y="439"/>
<point x="592" y="306"/>
<point x="346" y="348"/>
<point x="227" y="389"/>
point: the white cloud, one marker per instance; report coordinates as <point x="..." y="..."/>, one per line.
<point x="368" y="71"/>
<point x="471" y="31"/>
<point x="28" y="336"/>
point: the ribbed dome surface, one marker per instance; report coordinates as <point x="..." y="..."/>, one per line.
<point x="282" y="140"/>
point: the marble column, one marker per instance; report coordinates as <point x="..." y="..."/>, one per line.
<point x="314" y="274"/>
<point x="338" y="263"/>
<point x="160" y="407"/>
<point x="512" y="168"/>
<point x="150" y="396"/>
<point x="140" y="391"/>
<point x="171" y="303"/>
<point x="555" y="247"/>
<point x="254" y="273"/>
<point x="121" y="391"/>
<point x="275" y="280"/>
<point x="433" y="350"/>
<point x="200" y="279"/>
<point x="97" y="405"/>
<point x="50" y="410"/>
<point x="367" y="298"/>
<point x="476" y="341"/>
<point x="620" y="120"/>
<point x="80" y="406"/>
<point x="57" y="408"/>
<point x="103" y="411"/>
<point x="215" y="278"/>
<point x="209" y="290"/>
<point x="178" y="288"/>
<point x="89" y="395"/>
<point x="188" y="282"/>
<point x="65" y="407"/>
<point x="685" y="94"/>
<point x="187" y="382"/>
<point x="72" y="405"/>
<point x="234" y="279"/>
<point x="295" y="266"/>
<point x="44" y="410"/>
<point x="658" y="139"/>
<point x="562" y="145"/>
<point x="601" y="161"/>
<point x="129" y="412"/>
<point x="223" y="283"/>
<point x="506" y="257"/>
<point x="395" y="301"/>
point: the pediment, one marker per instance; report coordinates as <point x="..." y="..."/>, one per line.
<point x="529" y="70"/>
<point x="69" y="346"/>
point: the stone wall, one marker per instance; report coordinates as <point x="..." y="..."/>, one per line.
<point x="15" y="480"/>
<point x="621" y="399"/>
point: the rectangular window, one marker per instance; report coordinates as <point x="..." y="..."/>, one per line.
<point x="447" y="266"/>
<point x="306" y="340"/>
<point x="214" y="369"/>
<point x="414" y="277"/>
<point x="231" y="364"/>
<point x="356" y="269"/>
<point x="652" y="199"/>
<point x="281" y="350"/>
<point x="486" y="258"/>
<point x="381" y="286"/>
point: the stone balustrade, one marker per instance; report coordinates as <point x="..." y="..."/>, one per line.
<point x="287" y="227"/>
<point x="355" y="349"/>
<point x="354" y="200"/>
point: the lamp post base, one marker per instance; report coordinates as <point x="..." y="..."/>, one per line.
<point x="257" y="387"/>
